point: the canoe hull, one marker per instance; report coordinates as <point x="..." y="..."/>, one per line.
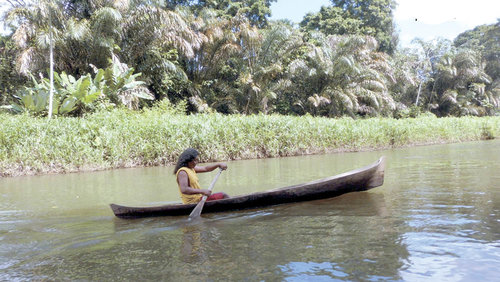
<point x="353" y="181"/>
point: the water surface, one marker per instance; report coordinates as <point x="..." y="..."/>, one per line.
<point x="437" y="217"/>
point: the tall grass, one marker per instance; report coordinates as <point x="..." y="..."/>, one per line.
<point x="123" y="138"/>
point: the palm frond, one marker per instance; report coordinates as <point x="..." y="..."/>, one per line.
<point x="106" y="22"/>
<point x="298" y="66"/>
<point x="21" y="35"/>
<point x="449" y="97"/>
<point x="26" y="60"/>
<point x="374" y="85"/>
<point x="318" y="101"/>
<point x="370" y="98"/>
<point x="200" y="105"/>
<point x="77" y="30"/>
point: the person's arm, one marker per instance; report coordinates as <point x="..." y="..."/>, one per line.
<point x="183" y="180"/>
<point x="208" y="168"/>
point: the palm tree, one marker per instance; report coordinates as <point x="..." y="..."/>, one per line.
<point x="317" y="101"/>
<point x="155" y="40"/>
<point x="408" y="79"/>
<point x="209" y="70"/>
<point x="349" y="72"/>
<point x="72" y="43"/>
<point x="35" y="22"/>
<point x="461" y="85"/>
<point x="226" y="64"/>
<point x="429" y="54"/>
<point x="266" y="56"/>
<point x="38" y="27"/>
<point x="9" y="79"/>
<point x="238" y="67"/>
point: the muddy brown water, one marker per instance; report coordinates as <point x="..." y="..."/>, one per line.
<point x="436" y="218"/>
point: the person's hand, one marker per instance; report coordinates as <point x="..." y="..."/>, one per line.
<point x="223" y="166"/>
<point x="206" y="192"/>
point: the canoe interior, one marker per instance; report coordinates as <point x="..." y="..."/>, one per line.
<point x="352" y="181"/>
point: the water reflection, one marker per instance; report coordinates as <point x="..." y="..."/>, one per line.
<point x="449" y="199"/>
<point x="436" y="218"/>
<point x="266" y="244"/>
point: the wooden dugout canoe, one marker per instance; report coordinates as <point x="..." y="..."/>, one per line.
<point x="352" y="181"/>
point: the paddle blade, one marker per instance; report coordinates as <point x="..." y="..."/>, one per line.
<point x="197" y="210"/>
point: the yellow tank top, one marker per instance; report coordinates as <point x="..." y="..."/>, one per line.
<point x="193" y="183"/>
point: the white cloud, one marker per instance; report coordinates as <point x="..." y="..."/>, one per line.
<point x="429" y="19"/>
<point x="468" y="13"/>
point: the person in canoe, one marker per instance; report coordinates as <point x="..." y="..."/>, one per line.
<point x="187" y="180"/>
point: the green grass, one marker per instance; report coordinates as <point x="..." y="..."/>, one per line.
<point x="123" y="138"/>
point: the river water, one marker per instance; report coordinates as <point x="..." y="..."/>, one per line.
<point x="436" y="218"/>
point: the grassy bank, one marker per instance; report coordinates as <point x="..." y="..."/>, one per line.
<point x="122" y="138"/>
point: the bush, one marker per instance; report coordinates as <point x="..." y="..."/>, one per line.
<point x="157" y="136"/>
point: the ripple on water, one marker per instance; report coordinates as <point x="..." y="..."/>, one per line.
<point x="446" y="257"/>
<point x="312" y="271"/>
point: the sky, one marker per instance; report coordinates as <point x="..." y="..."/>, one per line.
<point x="426" y="19"/>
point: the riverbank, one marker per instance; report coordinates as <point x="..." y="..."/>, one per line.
<point x="155" y="137"/>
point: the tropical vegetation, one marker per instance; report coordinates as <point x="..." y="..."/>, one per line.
<point x="154" y="136"/>
<point x="132" y="82"/>
<point x="226" y="56"/>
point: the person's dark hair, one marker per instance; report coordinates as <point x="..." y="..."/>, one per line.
<point x="186" y="156"/>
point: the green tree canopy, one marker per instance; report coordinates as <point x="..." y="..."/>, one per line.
<point x="485" y="38"/>
<point x="370" y="17"/>
<point x="9" y="78"/>
<point x="257" y="11"/>
<point x="462" y="87"/>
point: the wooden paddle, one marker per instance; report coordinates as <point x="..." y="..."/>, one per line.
<point x="197" y="210"/>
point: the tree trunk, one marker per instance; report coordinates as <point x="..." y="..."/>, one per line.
<point x="51" y="91"/>
<point x="418" y="93"/>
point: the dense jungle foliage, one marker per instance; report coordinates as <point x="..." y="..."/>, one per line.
<point x="227" y="56"/>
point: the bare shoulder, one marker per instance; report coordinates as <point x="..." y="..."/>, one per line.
<point x="182" y="174"/>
